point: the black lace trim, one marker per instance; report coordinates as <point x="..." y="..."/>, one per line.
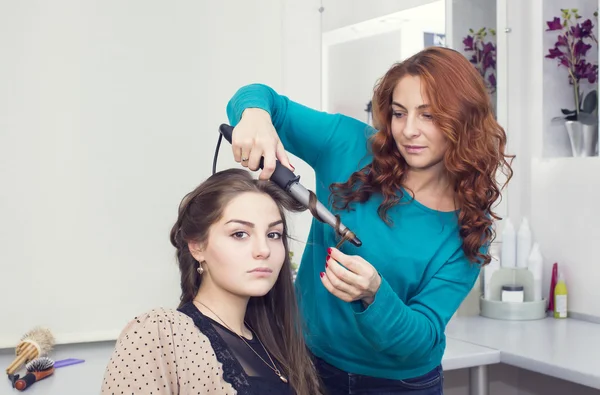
<point x="233" y="372"/>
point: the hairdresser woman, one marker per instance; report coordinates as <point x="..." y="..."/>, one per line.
<point x="417" y="190"/>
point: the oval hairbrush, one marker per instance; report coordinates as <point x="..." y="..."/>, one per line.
<point x="37" y="369"/>
<point x="34" y="344"/>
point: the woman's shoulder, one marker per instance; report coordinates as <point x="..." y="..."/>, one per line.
<point x="158" y="324"/>
<point x="160" y="315"/>
<point x="156" y="350"/>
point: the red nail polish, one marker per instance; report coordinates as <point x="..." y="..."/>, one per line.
<point x="322" y="274"/>
<point x="329" y="251"/>
<point x="328" y="256"/>
<point x="326" y="265"/>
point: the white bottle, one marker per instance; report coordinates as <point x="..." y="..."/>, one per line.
<point x="524" y="241"/>
<point x="488" y="272"/>
<point x="535" y="264"/>
<point x="508" y="256"/>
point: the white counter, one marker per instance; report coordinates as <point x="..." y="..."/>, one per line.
<point x="83" y="378"/>
<point x="461" y="355"/>
<point x="567" y="349"/>
<point x="87" y="377"/>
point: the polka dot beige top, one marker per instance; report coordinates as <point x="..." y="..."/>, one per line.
<point x="171" y="352"/>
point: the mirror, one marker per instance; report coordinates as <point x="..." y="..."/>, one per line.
<point x="361" y="40"/>
<point x="472" y="31"/>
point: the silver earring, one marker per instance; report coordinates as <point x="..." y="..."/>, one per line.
<point x="200" y="269"/>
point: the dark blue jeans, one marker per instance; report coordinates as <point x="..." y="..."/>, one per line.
<point x="338" y="382"/>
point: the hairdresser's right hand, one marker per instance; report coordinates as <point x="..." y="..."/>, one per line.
<point x="255" y="137"/>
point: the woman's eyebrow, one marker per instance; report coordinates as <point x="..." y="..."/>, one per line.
<point x="420" y="107"/>
<point x="250" y="224"/>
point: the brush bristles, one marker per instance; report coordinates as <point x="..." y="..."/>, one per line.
<point x="42" y="337"/>
<point x="39" y="364"/>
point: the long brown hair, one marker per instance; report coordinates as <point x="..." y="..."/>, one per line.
<point x="462" y="109"/>
<point x="274" y="317"/>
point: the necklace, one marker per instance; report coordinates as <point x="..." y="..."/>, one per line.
<point x="274" y="367"/>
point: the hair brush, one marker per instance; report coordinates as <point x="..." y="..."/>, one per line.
<point x="34" y="344"/>
<point x="37" y="369"/>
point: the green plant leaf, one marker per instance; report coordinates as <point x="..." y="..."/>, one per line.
<point x="590" y="102"/>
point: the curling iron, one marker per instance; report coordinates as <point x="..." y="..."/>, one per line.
<point x="290" y="183"/>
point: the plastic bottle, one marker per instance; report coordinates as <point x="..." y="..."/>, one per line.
<point x="535" y="264"/>
<point x="488" y="272"/>
<point x="524" y="240"/>
<point x="509" y="240"/>
<point x="560" y="297"/>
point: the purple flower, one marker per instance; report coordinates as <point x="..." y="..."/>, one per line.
<point x="488" y="61"/>
<point x="586" y="28"/>
<point x="482" y="54"/>
<point x="488" y="48"/>
<point x="554" y="53"/>
<point x="554" y="24"/>
<point x="468" y="41"/>
<point x="562" y="41"/>
<point x="581" y="48"/>
<point x="570" y="51"/>
<point x="586" y="71"/>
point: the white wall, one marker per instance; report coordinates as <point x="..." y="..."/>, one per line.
<point x="559" y="195"/>
<point x="565" y="196"/>
<point x="301" y="68"/>
<point x="109" y="115"/>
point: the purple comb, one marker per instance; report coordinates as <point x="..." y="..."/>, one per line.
<point x="67" y="362"/>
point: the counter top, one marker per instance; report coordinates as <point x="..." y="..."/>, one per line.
<point x="565" y="348"/>
<point x="87" y="377"/>
<point x="568" y="349"/>
<point x="460" y="355"/>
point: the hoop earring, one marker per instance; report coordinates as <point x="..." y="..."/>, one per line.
<point x="200" y="269"/>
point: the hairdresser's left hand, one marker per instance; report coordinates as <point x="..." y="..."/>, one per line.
<point x="357" y="279"/>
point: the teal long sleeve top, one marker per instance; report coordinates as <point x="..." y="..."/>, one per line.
<point x="424" y="273"/>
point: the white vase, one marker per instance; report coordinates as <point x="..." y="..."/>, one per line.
<point x="583" y="138"/>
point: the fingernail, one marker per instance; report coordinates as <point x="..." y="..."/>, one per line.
<point x="328" y="256"/>
<point x="329" y="251"/>
<point x="322" y="274"/>
<point x="326" y="265"/>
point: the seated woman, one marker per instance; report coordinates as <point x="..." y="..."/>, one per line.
<point x="236" y="330"/>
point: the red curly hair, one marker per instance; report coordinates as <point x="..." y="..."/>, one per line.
<point x="462" y="110"/>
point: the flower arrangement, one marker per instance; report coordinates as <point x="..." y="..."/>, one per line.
<point x="574" y="41"/>
<point x="483" y="55"/>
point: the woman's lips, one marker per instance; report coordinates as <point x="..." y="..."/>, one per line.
<point x="414" y="149"/>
